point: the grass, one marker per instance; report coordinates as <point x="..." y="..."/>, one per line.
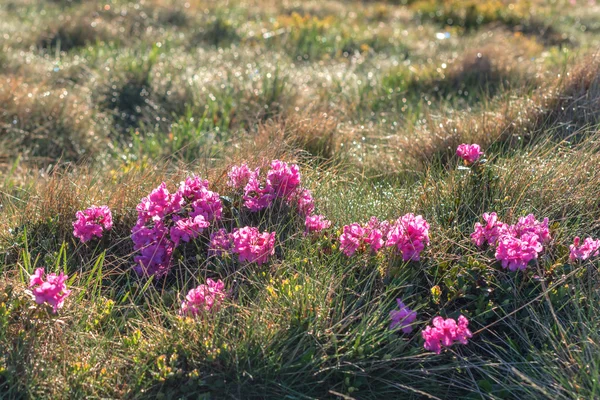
<point x="101" y="102"/>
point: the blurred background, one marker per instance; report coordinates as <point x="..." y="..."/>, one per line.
<point x="123" y="81"/>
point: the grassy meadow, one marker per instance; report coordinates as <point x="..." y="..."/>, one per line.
<point x="102" y="101"/>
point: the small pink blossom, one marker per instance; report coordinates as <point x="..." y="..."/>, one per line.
<point x="239" y="176"/>
<point x="469" y="152"/>
<point x="208" y="204"/>
<point x="490" y="232"/>
<point x="305" y="202"/>
<point x="220" y="243"/>
<point x="283" y="178"/>
<point x="589" y="248"/>
<point x="529" y="224"/>
<point x="352" y="238"/>
<point x="256" y="196"/>
<point x="92" y="222"/>
<point x="192" y="187"/>
<point x="402" y="318"/>
<point x="409" y="235"/>
<point x="205" y="298"/>
<point x="356" y="237"/>
<point x="516" y="252"/>
<point x="159" y="204"/>
<point x="316" y="223"/>
<point x="445" y="332"/>
<point x="186" y="229"/>
<point x="253" y="246"/>
<point x="52" y="289"/>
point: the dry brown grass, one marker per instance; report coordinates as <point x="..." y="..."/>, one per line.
<point x="46" y="123"/>
<point x="562" y="107"/>
<point x="313" y="132"/>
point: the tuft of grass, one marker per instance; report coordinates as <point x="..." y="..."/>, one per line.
<point x="45" y="124"/>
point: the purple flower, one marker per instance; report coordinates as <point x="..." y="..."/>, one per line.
<point x="402" y="318"/>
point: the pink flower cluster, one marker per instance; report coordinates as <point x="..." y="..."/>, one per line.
<point x="283" y="181"/>
<point x="446" y="332"/>
<point x="358" y="238"/>
<point x="50" y="289"/>
<point x="490" y="232"/>
<point x="165" y="220"/>
<point x="92" y="222"/>
<point x="402" y="318"/>
<point x="205" y="298"/>
<point x="253" y="246"/>
<point x="408" y="236"/>
<point x="589" y="248"/>
<point x="316" y="223"/>
<point x="516" y="245"/>
<point x="515" y="252"/>
<point x="469" y="152"/>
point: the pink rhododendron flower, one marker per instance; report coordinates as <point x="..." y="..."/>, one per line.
<point x="356" y="237"/>
<point x="252" y="245"/>
<point x="192" y="187"/>
<point x="186" y="229"/>
<point x="159" y="204"/>
<point x="352" y="238"/>
<point x="445" y="332"/>
<point x="516" y="245"/>
<point x="208" y="204"/>
<point x="589" y="248"/>
<point x="469" y="152"/>
<point x="516" y="252"/>
<point x="529" y="224"/>
<point x="409" y="235"/>
<point x="221" y="242"/>
<point x="50" y="289"/>
<point x="283" y="178"/>
<point x="205" y="298"/>
<point x="490" y="232"/>
<point x="402" y="318"/>
<point x="239" y="176"/>
<point x="316" y="223"/>
<point x="305" y="202"/>
<point x="92" y="222"/>
<point x="256" y="196"/>
<point x="155" y="249"/>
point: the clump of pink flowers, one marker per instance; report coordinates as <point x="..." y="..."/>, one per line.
<point x="165" y="220"/>
<point x="316" y="223"/>
<point x="251" y="245"/>
<point x="92" y="222"/>
<point x="49" y="288"/>
<point x="282" y="181"/>
<point x="589" y="248"/>
<point x="515" y="252"/>
<point x="490" y="232"/>
<point x="408" y="236"/>
<point x="205" y="298"/>
<point x="402" y="318"/>
<point x="356" y="237"/>
<point x="516" y="245"/>
<point x="238" y="175"/>
<point x="446" y="332"/>
<point x="283" y="178"/>
<point x="469" y="152"/>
